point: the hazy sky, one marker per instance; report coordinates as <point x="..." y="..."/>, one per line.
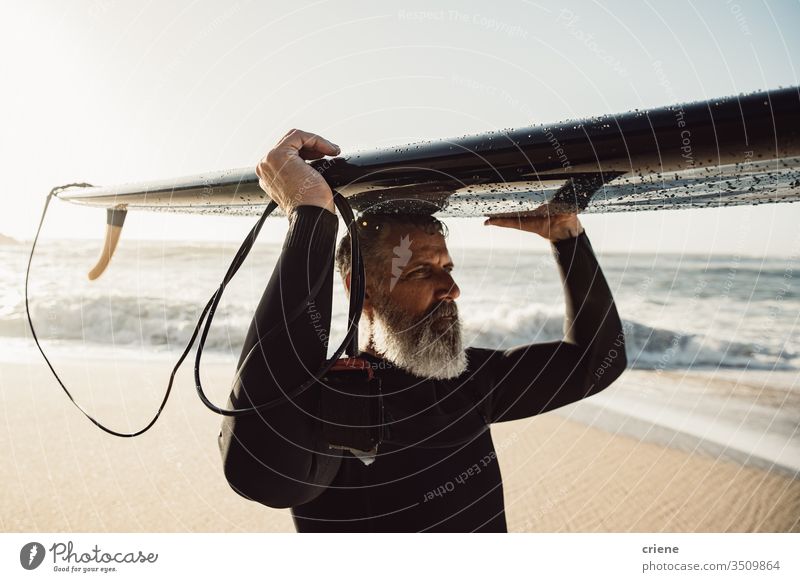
<point x="118" y="91"/>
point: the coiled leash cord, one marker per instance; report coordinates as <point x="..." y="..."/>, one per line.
<point x="350" y="342"/>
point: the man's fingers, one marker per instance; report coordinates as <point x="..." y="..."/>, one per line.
<point x="514" y="222"/>
<point x="313" y="154"/>
<point x="288" y="180"/>
<point x="303" y="144"/>
<point x="308" y="144"/>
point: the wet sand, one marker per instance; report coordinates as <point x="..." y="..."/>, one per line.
<point x="61" y="473"/>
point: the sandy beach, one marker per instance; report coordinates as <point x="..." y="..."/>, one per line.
<point x="61" y="473"/>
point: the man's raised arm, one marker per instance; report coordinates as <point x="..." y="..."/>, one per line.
<point x="276" y="456"/>
<point x="529" y="380"/>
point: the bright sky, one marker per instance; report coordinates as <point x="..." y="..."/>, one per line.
<point x="118" y="91"/>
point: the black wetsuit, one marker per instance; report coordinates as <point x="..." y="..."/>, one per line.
<point x="278" y="457"/>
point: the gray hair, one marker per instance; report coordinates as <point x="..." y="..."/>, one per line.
<point x="372" y="229"/>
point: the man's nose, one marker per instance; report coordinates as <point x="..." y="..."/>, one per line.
<point x="448" y="290"/>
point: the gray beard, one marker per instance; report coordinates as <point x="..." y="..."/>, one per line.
<point x="427" y="346"/>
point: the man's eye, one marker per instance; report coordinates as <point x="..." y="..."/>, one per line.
<point x="416" y="273"/>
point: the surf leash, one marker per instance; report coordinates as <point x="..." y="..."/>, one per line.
<point x="349" y="343"/>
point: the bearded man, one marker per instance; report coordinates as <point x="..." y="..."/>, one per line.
<point x="436" y="468"/>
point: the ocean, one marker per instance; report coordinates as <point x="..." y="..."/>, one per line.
<point x="680" y="311"/>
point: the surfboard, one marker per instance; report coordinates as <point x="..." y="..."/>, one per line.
<point x="728" y="151"/>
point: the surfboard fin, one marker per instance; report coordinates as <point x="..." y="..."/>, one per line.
<point x="115" y="218"/>
<point x="578" y="190"/>
<point x="572" y="196"/>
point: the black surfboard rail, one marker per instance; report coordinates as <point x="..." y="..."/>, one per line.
<point x="728" y="151"/>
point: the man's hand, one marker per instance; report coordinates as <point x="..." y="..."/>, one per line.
<point x="285" y="176"/>
<point x="552" y="226"/>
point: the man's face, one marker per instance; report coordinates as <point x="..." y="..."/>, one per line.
<point x="411" y="303"/>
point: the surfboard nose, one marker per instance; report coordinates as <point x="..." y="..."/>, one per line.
<point x="115" y="218"/>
